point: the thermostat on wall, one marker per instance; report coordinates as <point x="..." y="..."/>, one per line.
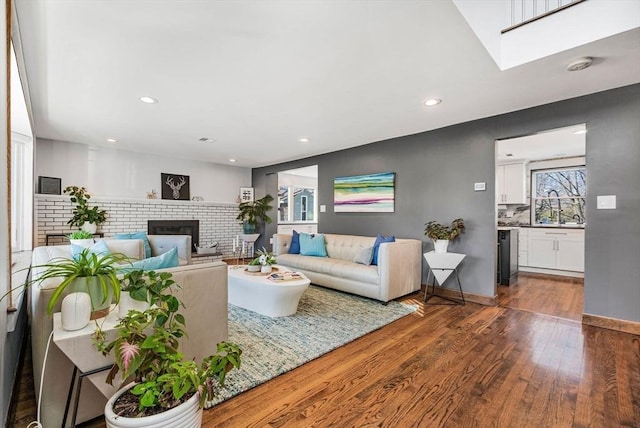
<point x="478" y="187"/>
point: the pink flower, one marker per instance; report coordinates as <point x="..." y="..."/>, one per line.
<point x="127" y="353"/>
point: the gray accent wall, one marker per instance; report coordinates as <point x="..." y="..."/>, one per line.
<point x="436" y="170"/>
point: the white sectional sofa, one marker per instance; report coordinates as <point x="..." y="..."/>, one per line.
<point x="204" y="293"/>
<point x="399" y="269"/>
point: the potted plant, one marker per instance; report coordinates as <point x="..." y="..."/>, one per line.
<point x="166" y="389"/>
<point x="85" y="217"/>
<point x="139" y="287"/>
<point x="86" y="272"/>
<point x="81" y="238"/>
<point x="441" y="234"/>
<point x="254" y="212"/>
<point x="266" y="260"/>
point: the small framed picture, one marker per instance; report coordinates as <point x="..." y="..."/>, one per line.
<point x="49" y="185"/>
<point x="246" y="194"/>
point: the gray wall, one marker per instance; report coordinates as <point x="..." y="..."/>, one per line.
<point x="435" y="172"/>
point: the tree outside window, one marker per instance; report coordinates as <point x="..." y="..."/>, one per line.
<point x="559" y="195"/>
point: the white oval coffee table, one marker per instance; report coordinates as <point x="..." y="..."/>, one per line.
<point x="264" y="296"/>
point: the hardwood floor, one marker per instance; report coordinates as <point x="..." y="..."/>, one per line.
<point x="458" y="366"/>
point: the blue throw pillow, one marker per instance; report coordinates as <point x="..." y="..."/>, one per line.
<point x="163" y="261"/>
<point x="294" y="247"/>
<point x="312" y="245"/>
<point x="380" y="240"/>
<point x="99" y="249"/>
<point x="137" y="235"/>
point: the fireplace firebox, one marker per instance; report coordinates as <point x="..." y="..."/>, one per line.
<point x="176" y="227"/>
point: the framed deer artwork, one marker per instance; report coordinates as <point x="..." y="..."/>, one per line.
<point x="175" y="186"/>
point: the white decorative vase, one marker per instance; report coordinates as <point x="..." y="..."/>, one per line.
<point x="266" y="269"/>
<point x="75" y="311"/>
<point x="84" y="243"/>
<point x="127" y="303"/>
<point x="89" y="227"/>
<point x="440" y="245"/>
<point x="254" y="268"/>
<point x="186" y="415"/>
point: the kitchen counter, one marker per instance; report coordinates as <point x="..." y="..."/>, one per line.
<point x="542" y="226"/>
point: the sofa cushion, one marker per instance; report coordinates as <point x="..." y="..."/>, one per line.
<point x="99" y="249"/>
<point x="364" y="256"/>
<point x="294" y="247"/>
<point x="163" y="261"/>
<point x="380" y="240"/>
<point x="137" y="235"/>
<point x="312" y="245"/>
<point x="334" y="267"/>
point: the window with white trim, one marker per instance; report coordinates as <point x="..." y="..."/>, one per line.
<point x="559" y="195"/>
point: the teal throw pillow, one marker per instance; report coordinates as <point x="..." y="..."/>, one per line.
<point x="99" y="249"/>
<point x="163" y="261"/>
<point x="380" y="240"/>
<point x="312" y="245"/>
<point x="137" y="235"/>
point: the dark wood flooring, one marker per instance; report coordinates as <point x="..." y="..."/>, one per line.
<point x="460" y="366"/>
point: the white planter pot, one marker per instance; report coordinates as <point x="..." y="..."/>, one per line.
<point x="440" y="245"/>
<point x="127" y="303"/>
<point x="254" y="268"/>
<point x="84" y="243"/>
<point x="186" y="415"/>
<point x="89" y="227"/>
<point x="75" y="311"/>
<point x="266" y="269"/>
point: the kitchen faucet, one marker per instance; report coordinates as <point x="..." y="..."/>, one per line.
<point x="577" y="218"/>
<point x="559" y="204"/>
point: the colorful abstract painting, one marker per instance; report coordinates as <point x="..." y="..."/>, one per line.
<point x="364" y="193"/>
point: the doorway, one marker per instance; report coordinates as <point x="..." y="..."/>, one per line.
<point x="540" y="202"/>
<point x="298" y="200"/>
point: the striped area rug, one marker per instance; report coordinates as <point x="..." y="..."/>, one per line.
<point x="325" y="320"/>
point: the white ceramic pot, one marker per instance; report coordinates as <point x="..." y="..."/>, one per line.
<point x="127" y="303"/>
<point x="186" y="415"/>
<point x="84" y="243"/>
<point x="254" y="268"/>
<point x="266" y="269"/>
<point x="440" y="245"/>
<point x="75" y="311"/>
<point x="89" y="227"/>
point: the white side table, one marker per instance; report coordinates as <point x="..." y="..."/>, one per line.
<point x="250" y="239"/>
<point x="78" y="346"/>
<point x="441" y="266"/>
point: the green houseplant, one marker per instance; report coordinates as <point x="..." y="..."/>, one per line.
<point x="81" y="238"/>
<point x="442" y="234"/>
<point x="83" y="214"/>
<point x="252" y="213"/>
<point x="146" y="353"/>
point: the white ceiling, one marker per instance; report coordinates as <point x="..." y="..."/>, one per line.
<point x="559" y="143"/>
<point x="258" y="76"/>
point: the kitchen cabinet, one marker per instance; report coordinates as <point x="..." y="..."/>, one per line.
<point x="523" y="247"/>
<point x="511" y="184"/>
<point x="556" y="249"/>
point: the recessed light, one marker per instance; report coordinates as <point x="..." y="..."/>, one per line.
<point x="111" y="140"/>
<point x="432" y="102"/>
<point x="580" y="131"/>
<point x="304" y="140"/>
<point x="148" y="100"/>
<point x="232" y="160"/>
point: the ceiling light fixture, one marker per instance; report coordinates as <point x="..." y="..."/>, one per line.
<point x="580" y="64"/>
<point x="148" y="100"/>
<point x="232" y="160"/>
<point x="111" y="140"/>
<point x="304" y="140"/>
<point x="432" y="102"/>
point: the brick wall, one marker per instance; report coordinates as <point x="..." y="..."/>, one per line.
<point x="217" y="220"/>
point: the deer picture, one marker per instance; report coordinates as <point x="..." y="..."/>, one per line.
<point x="175" y="187"/>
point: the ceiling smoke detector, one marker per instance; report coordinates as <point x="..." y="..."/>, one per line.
<point x="580" y="64"/>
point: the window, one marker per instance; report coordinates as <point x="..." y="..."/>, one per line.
<point x="303" y="207"/>
<point x="559" y="195"/>
<point x="296" y="204"/>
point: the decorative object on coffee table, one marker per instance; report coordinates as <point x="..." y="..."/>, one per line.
<point x="175" y="187"/>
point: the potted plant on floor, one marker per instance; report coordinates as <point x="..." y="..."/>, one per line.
<point x="441" y="234"/>
<point x="254" y="212"/>
<point x="167" y="390"/>
<point x="85" y="217"/>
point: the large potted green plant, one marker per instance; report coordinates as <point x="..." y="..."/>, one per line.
<point x="166" y="389"/>
<point x="254" y="212"/>
<point x="442" y="234"/>
<point x="85" y="217"/>
<point x="86" y="272"/>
